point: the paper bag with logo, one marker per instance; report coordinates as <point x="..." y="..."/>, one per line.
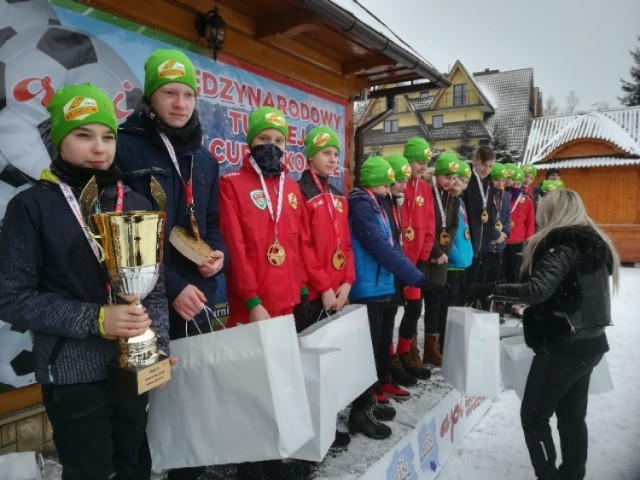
<point x="348" y="331"/>
<point x="319" y="366"/>
<point x="471" y="360"/>
<point x="236" y="395"/>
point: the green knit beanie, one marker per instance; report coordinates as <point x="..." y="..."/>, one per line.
<point x="376" y="171"/>
<point x="518" y="175"/>
<point x="318" y="139"/>
<point x="465" y="169"/>
<point x="509" y="170"/>
<point x="400" y="165"/>
<point x="551" y="185"/>
<point x="417" y="150"/>
<point x="264" y="118"/>
<point x="529" y="169"/>
<point x="75" y="105"/>
<point x="498" y="171"/>
<point x="448" y="164"/>
<point x="168" y="66"/>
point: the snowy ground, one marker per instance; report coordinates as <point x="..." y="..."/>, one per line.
<point x="495" y="449"/>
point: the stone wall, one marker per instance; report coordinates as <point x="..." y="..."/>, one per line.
<point x="26" y="430"/>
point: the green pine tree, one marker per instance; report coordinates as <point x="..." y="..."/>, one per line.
<point x="465" y="149"/>
<point x="632" y="88"/>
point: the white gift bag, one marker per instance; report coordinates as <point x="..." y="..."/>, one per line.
<point x="515" y="363"/>
<point x="20" y="466"/>
<point x="471" y="359"/>
<point x="348" y="331"/>
<point x="319" y="366"/>
<point x="236" y="395"/>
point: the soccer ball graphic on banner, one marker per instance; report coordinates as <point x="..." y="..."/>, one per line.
<point x="16" y="359"/>
<point x="18" y="15"/>
<point x="33" y="65"/>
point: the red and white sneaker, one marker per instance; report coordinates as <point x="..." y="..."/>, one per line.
<point x="394" y="391"/>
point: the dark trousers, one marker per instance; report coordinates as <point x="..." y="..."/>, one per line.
<point x="307" y="313"/>
<point x="99" y="433"/>
<point x="473" y="271"/>
<point x="381" y="322"/>
<point x="433" y="303"/>
<point x="456" y="285"/>
<point x="409" y="323"/>
<point x="558" y="383"/>
<point x="490" y="272"/>
<point x="512" y="261"/>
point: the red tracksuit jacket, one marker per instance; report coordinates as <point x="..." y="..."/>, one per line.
<point x="322" y="274"/>
<point x="248" y="230"/>
<point x="523" y="220"/>
<point x="418" y="213"/>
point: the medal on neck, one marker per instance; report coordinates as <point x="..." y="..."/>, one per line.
<point x="498" y="225"/>
<point x="276" y="254"/>
<point x="485" y="197"/>
<point x="444" y="238"/>
<point x="409" y="232"/>
<point x="338" y="258"/>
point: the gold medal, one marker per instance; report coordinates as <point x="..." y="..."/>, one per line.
<point x="513" y="224"/>
<point x="467" y="234"/>
<point x="276" y="254"/>
<point x="409" y="234"/>
<point x="499" y="225"/>
<point x="485" y="216"/>
<point x="338" y="260"/>
<point x="444" y="238"/>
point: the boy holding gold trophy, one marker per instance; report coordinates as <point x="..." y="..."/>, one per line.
<point x="52" y="280"/>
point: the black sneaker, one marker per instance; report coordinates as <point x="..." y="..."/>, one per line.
<point x="342" y="439"/>
<point x="365" y="422"/>
<point x="399" y="374"/>
<point x="416" y="370"/>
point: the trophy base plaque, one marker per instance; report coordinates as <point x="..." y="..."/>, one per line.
<point x="141" y="379"/>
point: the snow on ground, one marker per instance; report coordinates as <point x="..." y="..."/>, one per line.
<point x="495" y="449"/>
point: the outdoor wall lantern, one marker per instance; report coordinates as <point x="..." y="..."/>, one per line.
<point x="211" y="26"/>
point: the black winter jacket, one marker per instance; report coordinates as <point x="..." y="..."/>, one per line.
<point x="568" y="292"/>
<point x="481" y="232"/>
<point x="52" y="284"/>
<point x="141" y="154"/>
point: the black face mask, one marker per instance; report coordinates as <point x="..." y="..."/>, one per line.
<point x="269" y="159"/>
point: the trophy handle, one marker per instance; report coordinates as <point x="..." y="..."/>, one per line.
<point x="87" y="200"/>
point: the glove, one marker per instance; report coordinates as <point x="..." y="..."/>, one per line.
<point x="479" y="291"/>
<point x="432" y="288"/>
<point x="423" y="266"/>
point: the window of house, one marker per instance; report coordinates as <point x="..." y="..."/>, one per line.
<point x="460" y="94"/>
<point x="391" y="126"/>
<point x="424" y="95"/>
<point x="437" y="121"/>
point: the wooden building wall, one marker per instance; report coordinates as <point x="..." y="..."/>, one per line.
<point x="612" y="198"/>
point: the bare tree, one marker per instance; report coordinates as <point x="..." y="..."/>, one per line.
<point x="572" y="102"/>
<point x="600" y="105"/>
<point x="550" y="106"/>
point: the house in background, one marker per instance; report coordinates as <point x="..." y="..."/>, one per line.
<point x="484" y="107"/>
<point x="598" y="154"/>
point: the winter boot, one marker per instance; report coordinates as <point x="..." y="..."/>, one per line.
<point x="365" y="422"/>
<point x="342" y="440"/>
<point x="379" y="395"/>
<point x="414" y="354"/>
<point x="432" y="353"/>
<point x="384" y="413"/>
<point x="400" y="375"/>
<point x="412" y="363"/>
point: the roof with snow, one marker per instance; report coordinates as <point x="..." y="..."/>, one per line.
<point x="619" y="127"/>
<point x="449" y="131"/>
<point x="510" y="94"/>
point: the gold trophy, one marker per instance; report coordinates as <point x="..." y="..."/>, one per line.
<point x="131" y="244"/>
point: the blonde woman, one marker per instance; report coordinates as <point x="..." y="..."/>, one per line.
<point x="565" y="280"/>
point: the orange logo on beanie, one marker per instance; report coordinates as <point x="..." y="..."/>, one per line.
<point x="171" y="69"/>
<point x="406" y="170"/>
<point x="454" y="166"/>
<point x="275" y="119"/>
<point x="427" y="153"/>
<point x="79" y="108"/>
<point x="321" y="139"/>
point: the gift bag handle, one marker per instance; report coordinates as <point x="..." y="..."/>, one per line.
<point x="210" y="314"/>
<point x="328" y="314"/>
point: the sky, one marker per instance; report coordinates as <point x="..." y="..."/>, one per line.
<point x="579" y="45"/>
